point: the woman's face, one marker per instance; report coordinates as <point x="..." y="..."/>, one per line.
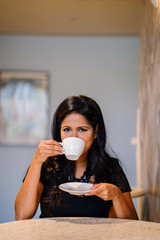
<point x="76" y="125"/>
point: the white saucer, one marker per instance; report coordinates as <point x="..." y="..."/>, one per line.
<point x="76" y="188"/>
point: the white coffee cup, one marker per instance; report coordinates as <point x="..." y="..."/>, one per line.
<point x="73" y="147"/>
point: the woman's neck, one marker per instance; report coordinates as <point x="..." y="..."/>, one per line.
<point x="80" y="167"/>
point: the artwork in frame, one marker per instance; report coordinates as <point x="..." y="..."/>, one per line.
<point x="24" y="107"/>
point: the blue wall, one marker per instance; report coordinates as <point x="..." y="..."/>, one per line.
<point x="105" y="68"/>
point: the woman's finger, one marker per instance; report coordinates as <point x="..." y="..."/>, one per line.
<point x="50" y="142"/>
<point x="95" y="186"/>
<point x="96" y="191"/>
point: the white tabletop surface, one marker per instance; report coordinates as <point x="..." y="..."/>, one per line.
<point x="78" y="229"/>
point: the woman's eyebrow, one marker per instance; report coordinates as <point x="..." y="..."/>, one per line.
<point x="80" y="126"/>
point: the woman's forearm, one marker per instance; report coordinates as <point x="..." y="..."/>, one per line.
<point x="29" y="195"/>
<point x="122" y="208"/>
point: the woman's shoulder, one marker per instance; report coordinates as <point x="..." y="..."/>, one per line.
<point x="114" y="162"/>
<point x="118" y="176"/>
<point x="116" y="166"/>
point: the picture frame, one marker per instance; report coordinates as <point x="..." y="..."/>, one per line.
<point x="24" y="107"/>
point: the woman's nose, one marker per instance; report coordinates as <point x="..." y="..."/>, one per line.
<point x="74" y="134"/>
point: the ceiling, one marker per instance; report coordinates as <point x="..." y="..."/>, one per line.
<point x="70" y="17"/>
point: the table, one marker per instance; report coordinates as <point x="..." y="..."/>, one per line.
<point x="79" y="229"/>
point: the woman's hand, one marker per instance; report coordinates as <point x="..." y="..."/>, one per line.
<point x="47" y="148"/>
<point x="105" y="191"/>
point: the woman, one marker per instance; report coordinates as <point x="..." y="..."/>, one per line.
<point x="77" y="116"/>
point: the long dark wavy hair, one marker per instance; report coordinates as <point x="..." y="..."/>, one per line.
<point x="58" y="168"/>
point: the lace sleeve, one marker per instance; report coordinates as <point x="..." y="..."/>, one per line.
<point x="120" y="179"/>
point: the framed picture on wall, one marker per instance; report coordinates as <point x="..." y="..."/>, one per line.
<point x="24" y="107"/>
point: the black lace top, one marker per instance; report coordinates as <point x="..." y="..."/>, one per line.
<point x="77" y="206"/>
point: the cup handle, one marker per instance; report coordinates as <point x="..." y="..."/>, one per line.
<point x="63" y="151"/>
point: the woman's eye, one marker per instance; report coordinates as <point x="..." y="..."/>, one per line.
<point x="83" y="130"/>
<point x="66" y="129"/>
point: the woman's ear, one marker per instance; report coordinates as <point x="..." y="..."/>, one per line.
<point x="96" y="130"/>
